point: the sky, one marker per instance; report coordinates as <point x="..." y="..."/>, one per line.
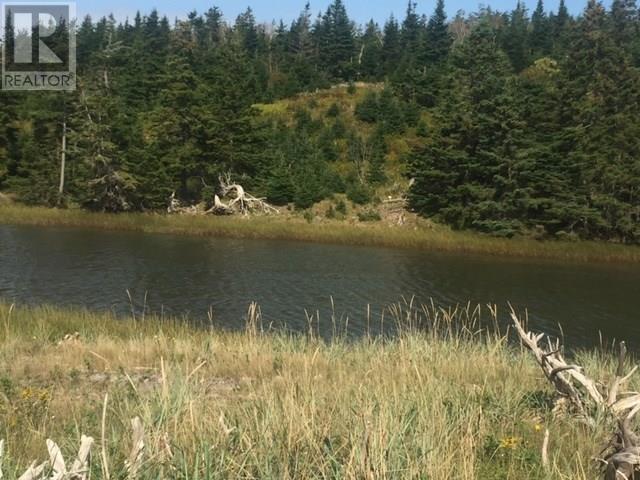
<point x="268" y="10"/>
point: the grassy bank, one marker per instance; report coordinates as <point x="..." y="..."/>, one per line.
<point x="336" y="232"/>
<point x="438" y="404"/>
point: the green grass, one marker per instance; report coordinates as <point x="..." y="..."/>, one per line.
<point x="439" y="403"/>
<point x="336" y="232"/>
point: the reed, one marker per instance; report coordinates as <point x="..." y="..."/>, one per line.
<point x="336" y="232"/>
<point x="448" y="397"/>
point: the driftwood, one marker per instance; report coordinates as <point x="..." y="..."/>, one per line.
<point x="175" y="207"/>
<point x="586" y="398"/>
<point x="239" y="201"/>
<point x="134" y="462"/>
<point x="56" y="467"/>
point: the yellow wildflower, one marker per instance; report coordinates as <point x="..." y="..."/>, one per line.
<point x="510" y="443"/>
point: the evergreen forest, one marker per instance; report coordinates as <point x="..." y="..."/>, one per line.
<point x="507" y="123"/>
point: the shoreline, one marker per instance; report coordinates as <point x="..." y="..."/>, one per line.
<point x="436" y="239"/>
<point x="216" y="404"/>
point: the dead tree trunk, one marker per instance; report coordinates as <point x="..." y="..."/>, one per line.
<point x="63" y="154"/>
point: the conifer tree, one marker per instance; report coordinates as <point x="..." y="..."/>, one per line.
<point x="515" y="40"/>
<point x="560" y="29"/>
<point x="540" y="41"/>
<point x="7" y="139"/>
<point x="301" y="42"/>
<point x="246" y="31"/>
<point x="376" y="174"/>
<point x="337" y="43"/>
<point x="391" y="47"/>
<point x="370" y="58"/>
<point x="411" y="31"/>
<point x="462" y="175"/>
<point x="604" y="89"/>
<point x="438" y="38"/>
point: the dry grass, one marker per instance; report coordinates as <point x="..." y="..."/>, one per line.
<point x="294" y="228"/>
<point x="442" y="402"/>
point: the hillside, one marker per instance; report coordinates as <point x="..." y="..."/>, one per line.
<point x="363" y="152"/>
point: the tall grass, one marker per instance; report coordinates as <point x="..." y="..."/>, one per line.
<point x="444" y="399"/>
<point x="336" y="232"/>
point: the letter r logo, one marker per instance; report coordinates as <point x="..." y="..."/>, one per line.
<point x="39" y="45"/>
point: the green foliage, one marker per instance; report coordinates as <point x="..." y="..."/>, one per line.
<point x="334" y="110"/>
<point x="370" y="63"/>
<point x="376" y="173"/>
<point x="331" y="213"/>
<point x="335" y="34"/>
<point x="280" y="186"/>
<point x="438" y="37"/>
<point x="359" y="193"/>
<point x="367" y="110"/>
<point x="385" y="109"/>
<point x="308" y="216"/>
<point x="369" y="215"/>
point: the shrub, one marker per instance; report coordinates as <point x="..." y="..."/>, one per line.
<point x="331" y="213"/>
<point x="369" y="215"/>
<point x="334" y="110"/>
<point x="308" y="216"/>
<point x="368" y="110"/>
<point x="359" y="193"/>
<point x="280" y="188"/>
<point x="339" y="129"/>
<point x="422" y="130"/>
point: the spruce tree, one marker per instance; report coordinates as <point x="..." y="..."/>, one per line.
<point x="625" y="27"/>
<point x="438" y="38"/>
<point x="602" y="88"/>
<point x="515" y="40"/>
<point x="214" y="25"/>
<point x="464" y="174"/>
<point x="411" y="33"/>
<point x="561" y="28"/>
<point x="376" y="173"/>
<point x="541" y="40"/>
<point x="246" y="31"/>
<point x="391" y="46"/>
<point x="337" y="42"/>
<point x="370" y="58"/>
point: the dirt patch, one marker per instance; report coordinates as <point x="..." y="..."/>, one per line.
<point x="5" y="199"/>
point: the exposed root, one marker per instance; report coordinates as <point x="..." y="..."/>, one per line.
<point x="239" y="201"/>
<point x="586" y="398"/>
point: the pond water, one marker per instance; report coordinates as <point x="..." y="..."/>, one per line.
<point x="179" y="275"/>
